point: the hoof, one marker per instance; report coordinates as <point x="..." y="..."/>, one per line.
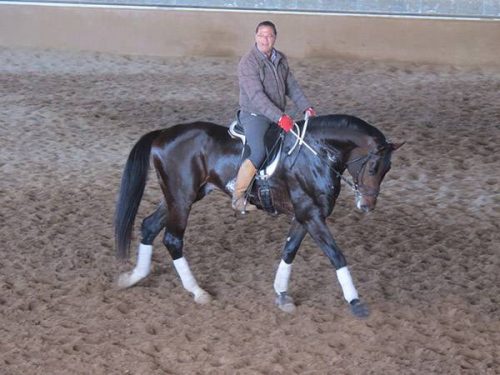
<point x="202" y="297"/>
<point x="359" y="309"/>
<point x="285" y="303"/>
<point x="128" y="279"/>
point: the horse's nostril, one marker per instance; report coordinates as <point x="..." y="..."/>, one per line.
<point x="365" y="208"/>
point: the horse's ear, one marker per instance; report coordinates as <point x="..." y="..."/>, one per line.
<point x="395" y="146"/>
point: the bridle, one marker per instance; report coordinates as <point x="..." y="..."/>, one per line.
<point x="359" y="188"/>
<point x="356" y="185"/>
<point x="331" y="160"/>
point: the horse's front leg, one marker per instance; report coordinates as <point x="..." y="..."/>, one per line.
<point x="295" y="236"/>
<point x="319" y="231"/>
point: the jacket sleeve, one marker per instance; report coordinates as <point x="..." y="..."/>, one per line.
<point x="294" y="92"/>
<point x="249" y="80"/>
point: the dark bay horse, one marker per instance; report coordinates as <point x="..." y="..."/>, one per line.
<point x="191" y="160"/>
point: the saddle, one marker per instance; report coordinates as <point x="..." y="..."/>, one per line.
<point x="274" y="145"/>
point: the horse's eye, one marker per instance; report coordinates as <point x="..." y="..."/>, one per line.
<point x="373" y="167"/>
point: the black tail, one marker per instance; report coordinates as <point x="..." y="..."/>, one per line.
<point x="132" y="187"/>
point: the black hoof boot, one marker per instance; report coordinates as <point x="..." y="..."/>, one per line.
<point x="359" y="309"/>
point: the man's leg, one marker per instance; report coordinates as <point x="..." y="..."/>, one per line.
<point x="255" y="130"/>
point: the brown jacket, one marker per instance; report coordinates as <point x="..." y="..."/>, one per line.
<point x="264" y="85"/>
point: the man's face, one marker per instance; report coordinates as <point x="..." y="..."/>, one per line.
<point x="265" y="39"/>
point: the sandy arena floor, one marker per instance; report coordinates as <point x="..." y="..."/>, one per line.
<point x="426" y="261"/>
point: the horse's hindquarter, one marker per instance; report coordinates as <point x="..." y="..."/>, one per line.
<point x="223" y="155"/>
<point x="188" y="156"/>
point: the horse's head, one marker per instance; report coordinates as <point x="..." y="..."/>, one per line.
<point x="368" y="169"/>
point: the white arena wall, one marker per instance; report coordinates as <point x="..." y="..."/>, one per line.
<point x="195" y="32"/>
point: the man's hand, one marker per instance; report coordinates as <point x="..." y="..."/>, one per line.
<point x="285" y="122"/>
<point x="310" y="112"/>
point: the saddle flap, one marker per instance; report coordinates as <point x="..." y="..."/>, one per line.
<point x="272" y="160"/>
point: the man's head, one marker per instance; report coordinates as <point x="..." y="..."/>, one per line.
<point x="265" y="37"/>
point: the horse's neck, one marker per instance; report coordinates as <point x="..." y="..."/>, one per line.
<point x="363" y="146"/>
<point x="355" y="146"/>
<point x="346" y="132"/>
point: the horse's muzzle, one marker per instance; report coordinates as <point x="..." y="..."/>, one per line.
<point x="365" y="203"/>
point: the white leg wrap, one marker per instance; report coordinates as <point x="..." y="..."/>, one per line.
<point x="144" y="254"/>
<point x="347" y="285"/>
<point x="282" y="277"/>
<point x="141" y="269"/>
<point x="189" y="282"/>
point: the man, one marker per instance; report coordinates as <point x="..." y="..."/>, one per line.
<point x="265" y="80"/>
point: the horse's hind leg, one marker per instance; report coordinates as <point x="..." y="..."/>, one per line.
<point x="174" y="241"/>
<point x="295" y="236"/>
<point x="151" y="226"/>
